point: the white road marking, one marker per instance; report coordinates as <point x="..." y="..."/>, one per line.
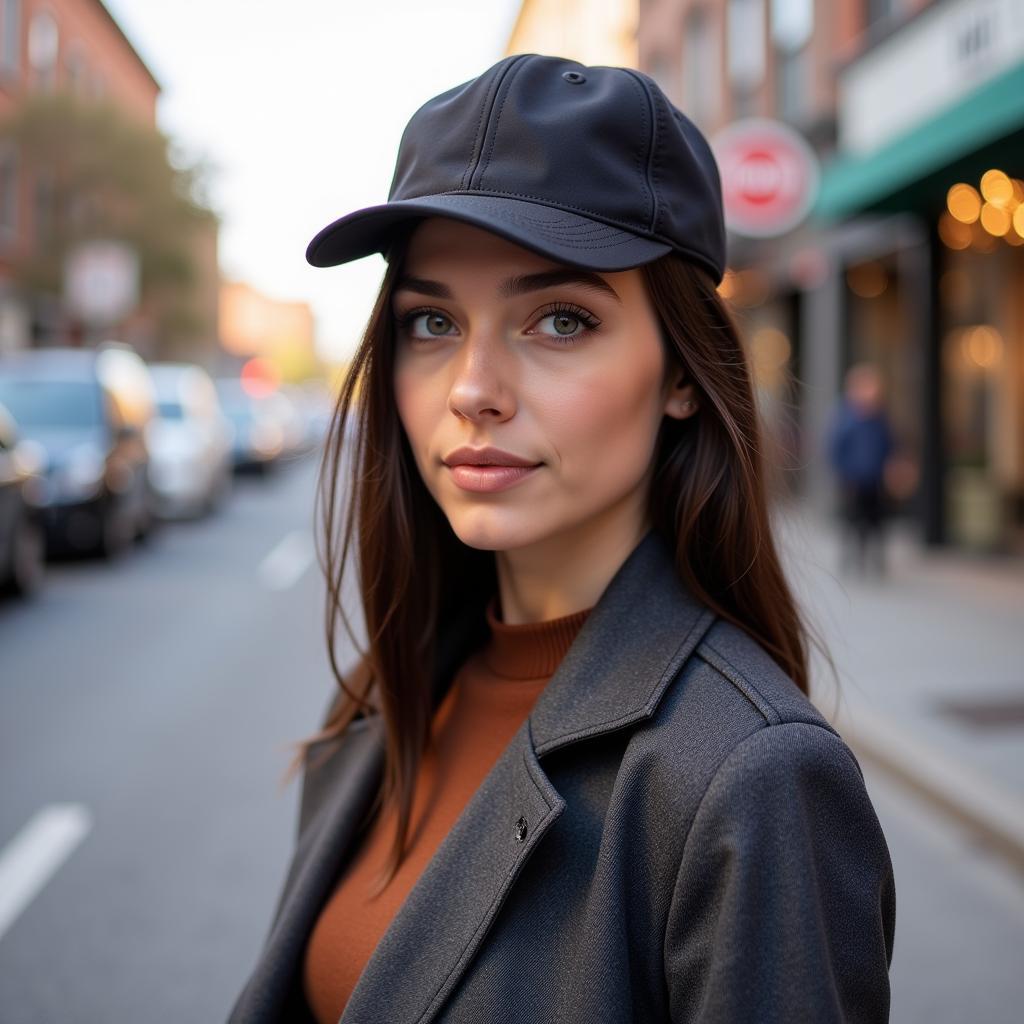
<point x="35" y="854"/>
<point x="289" y="559"/>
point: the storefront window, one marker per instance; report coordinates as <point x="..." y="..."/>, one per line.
<point x="880" y="331"/>
<point x="982" y="316"/>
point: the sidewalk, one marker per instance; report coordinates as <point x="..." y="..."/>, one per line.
<point x="931" y="669"/>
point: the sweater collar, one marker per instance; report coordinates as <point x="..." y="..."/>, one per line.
<point x="531" y="650"/>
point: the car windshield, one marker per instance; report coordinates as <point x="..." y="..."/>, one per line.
<point x="237" y="405"/>
<point x="171" y="411"/>
<point x="51" y="403"/>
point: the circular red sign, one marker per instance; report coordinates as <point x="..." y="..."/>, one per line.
<point x="769" y="177"/>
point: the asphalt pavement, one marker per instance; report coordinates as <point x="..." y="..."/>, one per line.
<point x="145" y="712"/>
<point x="149" y="704"/>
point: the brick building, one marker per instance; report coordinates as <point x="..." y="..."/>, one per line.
<point x="76" y="47"/>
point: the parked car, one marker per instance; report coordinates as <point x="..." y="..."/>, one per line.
<point x="259" y="433"/>
<point x="88" y="411"/>
<point x="22" y="541"/>
<point x="190" y="465"/>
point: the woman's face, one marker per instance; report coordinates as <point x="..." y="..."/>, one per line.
<point x="531" y="393"/>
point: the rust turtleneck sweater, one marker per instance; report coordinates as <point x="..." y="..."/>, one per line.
<point x="490" y="697"/>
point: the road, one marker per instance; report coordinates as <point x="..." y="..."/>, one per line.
<point x="159" y="694"/>
<point x="145" y="709"/>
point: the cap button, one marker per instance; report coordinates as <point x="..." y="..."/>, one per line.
<point x="574" y="77"/>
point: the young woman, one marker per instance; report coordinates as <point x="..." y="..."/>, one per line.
<point x="576" y="775"/>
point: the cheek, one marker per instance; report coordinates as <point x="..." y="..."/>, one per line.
<point x="604" y="424"/>
<point x="416" y="402"/>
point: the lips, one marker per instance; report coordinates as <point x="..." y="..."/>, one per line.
<point x="485" y="457"/>
<point x="486" y="470"/>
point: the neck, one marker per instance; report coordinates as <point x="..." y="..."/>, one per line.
<point x="568" y="571"/>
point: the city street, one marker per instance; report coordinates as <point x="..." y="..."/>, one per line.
<point x="148" y="704"/>
<point x="158" y="694"/>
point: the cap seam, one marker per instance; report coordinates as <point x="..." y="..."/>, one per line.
<point x="645" y="174"/>
<point x="474" y="152"/>
<point x="489" y="105"/>
<point x="509" y="78"/>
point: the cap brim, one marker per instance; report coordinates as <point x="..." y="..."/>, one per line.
<point x="564" y="237"/>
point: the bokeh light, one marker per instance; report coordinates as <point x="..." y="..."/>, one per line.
<point x="995" y="219"/>
<point x="868" y="280"/>
<point x="982" y="345"/>
<point x="954" y="233"/>
<point x="996" y="187"/>
<point x="964" y="203"/>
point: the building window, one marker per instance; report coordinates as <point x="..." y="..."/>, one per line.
<point x="8" y="192"/>
<point x="43" y="47"/>
<point x="746" y="39"/>
<point x="793" y="86"/>
<point x="701" y="70"/>
<point x="10" y="36"/>
<point x="792" y="25"/>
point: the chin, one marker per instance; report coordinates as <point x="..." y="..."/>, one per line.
<point x="493" y="529"/>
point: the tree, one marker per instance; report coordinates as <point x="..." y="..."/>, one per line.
<point x="99" y="172"/>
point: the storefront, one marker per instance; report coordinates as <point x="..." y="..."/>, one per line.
<point x="929" y="181"/>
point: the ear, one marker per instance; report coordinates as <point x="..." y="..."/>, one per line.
<point x="681" y="397"/>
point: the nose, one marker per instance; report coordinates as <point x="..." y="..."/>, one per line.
<point x="481" y="387"/>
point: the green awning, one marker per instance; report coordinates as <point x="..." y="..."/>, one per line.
<point x="890" y="178"/>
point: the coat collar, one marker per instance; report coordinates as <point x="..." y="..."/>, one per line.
<point x="630" y="648"/>
<point x="633" y="644"/>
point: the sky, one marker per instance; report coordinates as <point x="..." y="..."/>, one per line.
<point x="299" y="108"/>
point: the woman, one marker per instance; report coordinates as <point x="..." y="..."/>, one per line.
<point x="576" y="775"/>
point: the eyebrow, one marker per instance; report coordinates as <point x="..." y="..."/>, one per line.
<point x="518" y="285"/>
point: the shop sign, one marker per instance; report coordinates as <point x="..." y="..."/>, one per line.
<point x="928" y="65"/>
<point x="769" y="177"/>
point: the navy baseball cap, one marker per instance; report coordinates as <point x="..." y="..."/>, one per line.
<point x="590" y="166"/>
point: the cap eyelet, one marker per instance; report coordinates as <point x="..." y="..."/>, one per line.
<point x="574" y="77"/>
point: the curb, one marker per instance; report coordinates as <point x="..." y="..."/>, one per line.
<point x="955" y="789"/>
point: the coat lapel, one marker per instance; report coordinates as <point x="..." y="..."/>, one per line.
<point x="632" y="645"/>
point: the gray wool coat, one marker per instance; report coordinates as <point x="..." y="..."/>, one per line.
<point x="675" y="834"/>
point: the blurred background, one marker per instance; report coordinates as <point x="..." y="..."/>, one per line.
<point x="168" y="364"/>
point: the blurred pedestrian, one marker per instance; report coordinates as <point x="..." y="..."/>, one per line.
<point x="575" y="775"/>
<point x="860" y="446"/>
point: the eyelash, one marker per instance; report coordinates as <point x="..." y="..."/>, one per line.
<point x="585" y="317"/>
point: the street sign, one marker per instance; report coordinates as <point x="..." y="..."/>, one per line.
<point x="101" y="281"/>
<point x="769" y="177"/>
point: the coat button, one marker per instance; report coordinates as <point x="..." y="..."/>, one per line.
<point x="520" y="830"/>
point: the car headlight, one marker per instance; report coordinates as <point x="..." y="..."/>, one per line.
<point x="83" y="469"/>
<point x="30" y="457"/>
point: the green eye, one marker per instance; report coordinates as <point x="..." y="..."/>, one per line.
<point x="436" y="324"/>
<point x="564" y="323"/>
<point x="425" y="323"/>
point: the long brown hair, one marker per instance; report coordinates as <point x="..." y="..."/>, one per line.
<point x="709" y="499"/>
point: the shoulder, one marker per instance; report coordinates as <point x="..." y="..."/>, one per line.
<point x="735" y="728"/>
<point x="779" y="864"/>
<point x="731" y="686"/>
